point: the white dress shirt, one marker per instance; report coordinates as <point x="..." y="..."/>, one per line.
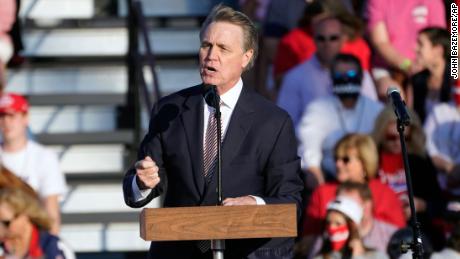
<point x="228" y="103"/>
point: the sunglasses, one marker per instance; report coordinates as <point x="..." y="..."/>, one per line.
<point x="348" y="74"/>
<point x="344" y="159"/>
<point x="324" y="38"/>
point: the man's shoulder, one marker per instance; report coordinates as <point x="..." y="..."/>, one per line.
<point x="262" y="105"/>
<point x="181" y="95"/>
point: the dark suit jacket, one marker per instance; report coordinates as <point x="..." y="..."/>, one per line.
<point x="259" y="157"/>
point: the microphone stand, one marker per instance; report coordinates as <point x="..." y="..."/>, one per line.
<point x="218" y="246"/>
<point x="416" y="245"/>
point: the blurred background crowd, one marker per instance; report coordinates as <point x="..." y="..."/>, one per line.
<point x="329" y="64"/>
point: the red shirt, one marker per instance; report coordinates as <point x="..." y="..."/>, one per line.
<point x="387" y="206"/>
<point x="298" y="45"/>
<point x="391" y="173"/>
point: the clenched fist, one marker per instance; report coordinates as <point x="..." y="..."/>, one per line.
<point x="147" y="173"/>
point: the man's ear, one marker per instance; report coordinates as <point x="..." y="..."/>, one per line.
<point x="247" y="57"/>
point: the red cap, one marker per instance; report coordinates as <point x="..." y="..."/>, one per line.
<point x="12" y="103"/>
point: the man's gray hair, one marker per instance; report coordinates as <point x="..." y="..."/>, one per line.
<point x="221" y="13"/>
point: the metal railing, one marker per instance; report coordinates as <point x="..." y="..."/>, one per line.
<point x="138" y="90"/>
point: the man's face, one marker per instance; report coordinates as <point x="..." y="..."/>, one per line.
<point x="13" y="125"/>
<point x="222" y="57"/>
<point x="328" y="40"/>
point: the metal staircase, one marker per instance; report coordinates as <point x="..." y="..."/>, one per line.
<point x="77" y="82"/>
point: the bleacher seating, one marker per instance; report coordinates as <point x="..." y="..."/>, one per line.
<point x="76" y="81"/>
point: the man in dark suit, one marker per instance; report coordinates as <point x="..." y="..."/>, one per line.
<point x="259" y="149"/>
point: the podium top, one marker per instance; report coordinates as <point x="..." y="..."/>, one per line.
<point x="218" y="222"/>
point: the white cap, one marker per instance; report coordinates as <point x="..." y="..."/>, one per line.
<point x="347" y="206"/>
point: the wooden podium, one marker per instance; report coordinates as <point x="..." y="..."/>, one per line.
<point x="218" y="222"/>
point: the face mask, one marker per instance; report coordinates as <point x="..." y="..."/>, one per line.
<point x="338" y="236"/>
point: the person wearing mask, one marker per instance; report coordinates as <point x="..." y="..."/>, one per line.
<point x="311" y="79"/>
<point x="356" y="161"/>
<point x="342" y="238"/>
<point x="329" y="118"/>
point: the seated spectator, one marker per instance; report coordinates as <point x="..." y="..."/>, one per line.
<point x="442" y="128"/>
<point x="374" y="232"/>
<point x="298" y="45"/>
<point x="24" y="228"/>
<point x="432" y="85"/>
<point x="356" y="161"/>
<point x="328" y="118"/>
<point x="391" y="169"/>
<point x="428" y="199"/>
<point x="342" y="238"/>
<point x="33" y="163"/>
<point x="311" y="79"/>
<point x="393" y="27"/>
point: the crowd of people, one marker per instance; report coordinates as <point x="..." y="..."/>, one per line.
<point x="331" y="73"/>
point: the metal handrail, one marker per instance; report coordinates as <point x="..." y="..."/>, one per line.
<point x="138" y="28"/>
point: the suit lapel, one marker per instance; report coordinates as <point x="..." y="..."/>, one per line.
<point x="240" y="123"/>
<point x="192" y="120"/>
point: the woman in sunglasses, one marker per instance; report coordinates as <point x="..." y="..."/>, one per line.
<point x="24" y="228"/>
<point x="356" y="161"/>
<point x="428" y="198"/>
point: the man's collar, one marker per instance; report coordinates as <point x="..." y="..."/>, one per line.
<point x="230" y="98"/>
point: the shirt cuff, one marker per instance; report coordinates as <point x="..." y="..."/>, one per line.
<point x="259" y="201"/>
<point x="138" y="193"/>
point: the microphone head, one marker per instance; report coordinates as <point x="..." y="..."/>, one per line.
<point x="210" y="95"/>
<point x="391" y="90"/>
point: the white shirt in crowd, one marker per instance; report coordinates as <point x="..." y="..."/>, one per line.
<point x="309" y="81"/>
<point x="325" y="121"/>
<point x="442" y="129"/>
<point x="37" y="166"/>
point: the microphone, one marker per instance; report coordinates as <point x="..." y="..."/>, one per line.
<point x="211" y="97"/>
<point x="399" y="105"/>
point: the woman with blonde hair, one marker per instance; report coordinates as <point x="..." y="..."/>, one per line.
<point x="356" y="159"/>
<point x="24" y="228"/>
<point x="428" y="196"/>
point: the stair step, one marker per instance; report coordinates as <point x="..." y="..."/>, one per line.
<point x="67" y="119"/>
<point x="79" y="159"/>
<point x="95" y="218"/>
<point x="98" y="237"/>
<point x="68" y="78"/>
<point x="170" y="8"/>
<point x="112" y="137"/>
<point x="77" y="99"/>
<point x="111" y="79"/>
<point x="56" y="9"/>
<point x="106" y="42"/>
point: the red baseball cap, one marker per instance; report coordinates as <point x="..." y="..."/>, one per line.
<point x="12" y="103"/>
